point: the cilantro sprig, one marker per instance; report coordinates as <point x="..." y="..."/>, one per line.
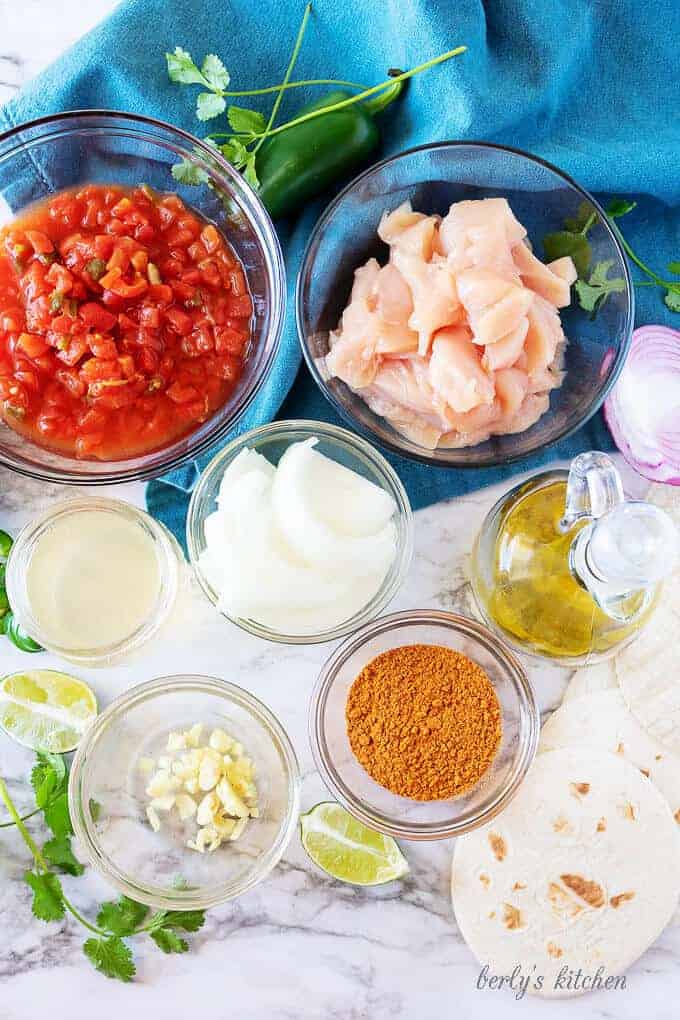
<point x="249" y="128"/>
<point x="594" y="286"/>
<point x="117" y="920"/>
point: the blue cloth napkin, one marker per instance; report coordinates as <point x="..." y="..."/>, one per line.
<point x="590" y="85"/>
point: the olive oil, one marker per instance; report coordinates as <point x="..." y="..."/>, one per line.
<point x="534" y="594"/>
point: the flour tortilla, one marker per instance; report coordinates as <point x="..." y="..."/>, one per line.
<point x="602" y="720"/>
<point x="600" y="677"/>
<point x="648" y="674"/>
<point x="579" y="871"/>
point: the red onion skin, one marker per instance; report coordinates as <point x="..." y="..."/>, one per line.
<point x="663" y="345"/>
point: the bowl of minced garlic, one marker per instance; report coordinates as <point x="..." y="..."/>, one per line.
<point x="423" y="724"/>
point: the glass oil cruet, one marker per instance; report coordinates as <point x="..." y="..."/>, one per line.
<point x="566" y="568"/>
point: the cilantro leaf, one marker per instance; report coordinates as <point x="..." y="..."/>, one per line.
<point x="57" y="851"/>
<point x="242" y="119"/>
<point x="57" y="816"/>
<point x="214" y="72"/>
<point x="48" y="899"/>
<point x="236" y="152"/>
<point x="110" y="957"/>
<point x="593" y="294"/>
<point x="47" y="777"/>
<point x="250" y="173"/>
<point x="168" y="941"/>
<point x="182" y="69"/>
<point x="672" y="300"/>
<point x="185" y="920"/>
<point x="619" y="207"/>
<point x="95" y="809"/>
<point x="209" y="105"/>
<point x="577" y="224"/>
<point x="121" y="917"/>
<point x="674" y="267"/>
<point x="565" y="242"/>
<point x="187" y="172"/>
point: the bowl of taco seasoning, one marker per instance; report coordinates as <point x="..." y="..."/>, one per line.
<point x="142" y="293"/>
<point x="423" y="725"/>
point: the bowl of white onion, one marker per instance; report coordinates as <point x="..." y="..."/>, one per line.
<point x="300" y="532"/>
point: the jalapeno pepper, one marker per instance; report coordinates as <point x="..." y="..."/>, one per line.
<point x="300" y="163"/>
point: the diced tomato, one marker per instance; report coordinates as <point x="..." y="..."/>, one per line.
<point x="97" y="317"/>
<point x="124" y="321"/>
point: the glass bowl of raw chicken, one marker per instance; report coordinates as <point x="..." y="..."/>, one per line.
<point x="436" y="305"/>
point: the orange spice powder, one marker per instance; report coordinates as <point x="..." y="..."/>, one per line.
<point x="424" y="721"/>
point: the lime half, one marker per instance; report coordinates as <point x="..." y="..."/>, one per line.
<point x="46" y="710"/>
<point x="347" y="849"/>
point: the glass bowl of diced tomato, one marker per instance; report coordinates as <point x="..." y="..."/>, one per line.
<point x="142" y="293"/>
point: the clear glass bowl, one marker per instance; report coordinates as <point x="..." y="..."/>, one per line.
<point x="44" y="156"/>
<point x="157" y="868"/>
<point x="168" y="557"/>
<point x="371" y="803"/>
<point x="340" y="445"/>
<point x="431" y="178"/>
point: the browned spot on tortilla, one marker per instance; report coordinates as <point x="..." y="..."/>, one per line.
<point x="677" y="816"/>
<point x="563" y="903"/>
<point x="658" y="757"/>
<point x="485" y="880"/>
<point x="629" y="812"/>
<point x="602" y="825"/>
<point x="645" y="772"/>
<point x="579" y="789"/>
<point x="498" y="847"/>
<point x="519" y="885"/>
<point x="619" y="749"/>
<point x="590" y="892"/>
<point x="554" y="951"/>
<point x="512" y="919"/>
<point x="561" y="824"/>
<point x="623" y="897"/>
<point x="492" y="915"/>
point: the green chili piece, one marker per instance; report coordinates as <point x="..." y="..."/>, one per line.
<point x="300" y="163"/>
<point x="96" y="268"/>
<point x="18" y="636"/>
<point x="6" y="543"/>
<point x="56" y="301"/>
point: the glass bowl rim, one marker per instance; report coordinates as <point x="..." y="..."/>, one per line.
<point x="496" y="459"/>
<point x="343" y="437"/>
<point x="258" y="217"/>
<point x="167" y="554"/>
<point x="146" y="691"/>
<point x="393" y="622"/>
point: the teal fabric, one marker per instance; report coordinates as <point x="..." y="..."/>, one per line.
<point x="591" y="85"/>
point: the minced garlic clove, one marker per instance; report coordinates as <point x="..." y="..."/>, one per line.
<point x="213" y="783"/>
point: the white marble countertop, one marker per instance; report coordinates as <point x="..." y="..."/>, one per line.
<point x="300" y="945"/>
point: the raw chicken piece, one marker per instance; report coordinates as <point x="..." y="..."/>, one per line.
<point x="402" y="393"/>
<point x="458" y="337"/>
<point x="435" y="299"/>
<point x="552" y="286"/>
<point x="511" y="389"/>
<point x="394" y="303"/>
<point x="544" y="335"/>
<point x="408" y="231"/>
<point x="564" y="268"/>
<point x="533" y="406"/>
<point x="505" y="352"/>
<point x="473" y="232"/>
<point x="456" y="372"/>
<point x="495" y="306"/>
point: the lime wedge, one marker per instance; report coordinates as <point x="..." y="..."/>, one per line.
<point x="46" y="710"/>
<point x="347" y="849"/>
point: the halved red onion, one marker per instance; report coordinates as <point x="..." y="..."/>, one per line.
<point x="643" y="409"/>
